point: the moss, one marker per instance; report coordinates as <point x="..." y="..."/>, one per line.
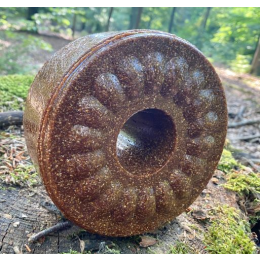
<point x="228" y="233"/>
<point x="227" y="162"/>
<point x="110" y="251"/>
<point x="181" y="248"/>
<point x="246" y="185"/>
<point x="72" y="252"/>
<point x="23" y="175"/>
<point x="243" y="183"/>
<point x="14" y="90"/>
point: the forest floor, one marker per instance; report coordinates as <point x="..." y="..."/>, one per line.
<point x="23" y="199"/>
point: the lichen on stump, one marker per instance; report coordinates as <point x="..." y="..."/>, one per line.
<point x="126" y="129"/>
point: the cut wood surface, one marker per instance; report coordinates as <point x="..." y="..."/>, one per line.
<point x="21" y="216"/>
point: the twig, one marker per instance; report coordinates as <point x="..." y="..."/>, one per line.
<point x="241" y="155"/>
<point x="28" y="248"/>
<point x="255" y="160"/>
<point x="11" y="118"/>
<point x="47" y="231"/>
<point x="246" y="138"/>
<point x="244" y="122"/>
<point x="257" y="168"/>
<point x="240" y="113"/>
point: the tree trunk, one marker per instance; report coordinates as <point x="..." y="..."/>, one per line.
<point x="131" y="20"/>
<point x="83" y="26"/>
<point x="31" y="12"/>
<point x="74" y="24"/>
<point x="172" y="19"/>
<point x="138" y="18"/>
<point x="135" y="17"/>
<point x="109" y="17"/>
<point x="203" y="28"/>
<point x="204" y="23"/>
<point x="256" y="60"/>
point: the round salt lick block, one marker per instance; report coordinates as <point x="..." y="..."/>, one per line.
<point x="126" y="129"/>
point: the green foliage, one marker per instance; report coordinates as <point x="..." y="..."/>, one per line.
<point x="14" y="90"/>
<point x="228" y="233"/>
<point x="228" y="36"/>
<point x="181" y="248"/>
<point x="227" y="162"/>
<point x="241" y="63"/>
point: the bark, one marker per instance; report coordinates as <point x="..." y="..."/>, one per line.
<point x="256" y="60"/>
<point x="11" y="118"/>
<point x="109" y="18"/>
<point x="171" y="24"/>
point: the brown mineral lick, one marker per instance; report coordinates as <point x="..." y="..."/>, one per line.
<point x="126" y="129"/>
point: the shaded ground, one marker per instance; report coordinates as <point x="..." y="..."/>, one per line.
<point x="243" y="95"/>
<point x="22" y="210"/>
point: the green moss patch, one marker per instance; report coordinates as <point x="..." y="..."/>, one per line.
<point x="247" y="185"/>
<point x="13" y="91"/>
<point x="227" y="162"/>
<point x="181" y="248"/>
<point x="243" y="183"/>
<point x="228" y="233"/>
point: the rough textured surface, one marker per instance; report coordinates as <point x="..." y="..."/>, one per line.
<point x="26" y="207"/>
<point x="126" y="129"/>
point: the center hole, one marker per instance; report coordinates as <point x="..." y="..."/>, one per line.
<point x="146" y="141"/>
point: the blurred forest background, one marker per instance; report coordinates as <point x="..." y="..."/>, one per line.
<point x="229" y="37"/>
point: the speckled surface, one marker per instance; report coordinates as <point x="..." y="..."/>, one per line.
<point x="126" y="129"/>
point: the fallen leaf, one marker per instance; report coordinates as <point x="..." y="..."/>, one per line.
<point x="200" y="215"/>
<point x="17" y="250"/>
<point x="147" y="241"/>
<point x="82" y="245"/>
<point x="215" y="180"/>
<point x="7" y="216"/>
<point x="16" y="224"/>
<point x="188" y="210"/>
